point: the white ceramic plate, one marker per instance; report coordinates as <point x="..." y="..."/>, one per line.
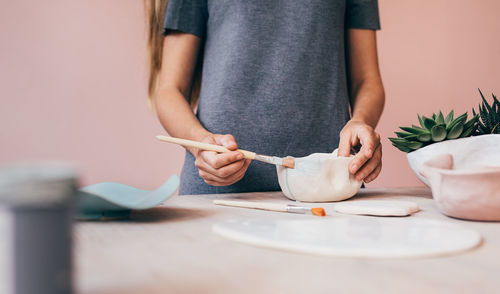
<point x="354" y="236"/>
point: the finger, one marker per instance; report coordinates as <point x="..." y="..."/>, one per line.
<point x="354" y="139"/>
<point x="224" y="172"/>
<point x="220" y="181"/>
<point x="213" y="183"/>
<point x="214" y="180"/>
<point x="370" y="165"/>
<point x="227" y="141"/>
<point x="368" y="147"/>
<point x="218" y="160"/>
<point x="345" y="144"/>
<point x="241" y="173"/>
<point x="227" y="172"/>
<point x="238" y="174"/>
<point x="369" y="140"/>
<point x="374" y="173"/>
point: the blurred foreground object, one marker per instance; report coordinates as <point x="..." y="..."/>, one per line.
<point x="36" y="213"/>
<point x="109" y="201"/>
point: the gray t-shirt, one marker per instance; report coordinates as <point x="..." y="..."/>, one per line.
<point x="274" y="77"/>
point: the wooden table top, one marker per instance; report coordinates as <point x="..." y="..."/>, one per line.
<point x="172" y="249"/>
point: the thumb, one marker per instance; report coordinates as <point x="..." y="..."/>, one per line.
<point x="345" y="144"/>
<point x="227" y="141"/>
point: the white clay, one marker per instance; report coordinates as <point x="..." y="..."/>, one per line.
<point x="354" y="237"/>
<point x="319" y="177"/>
<point x="377" y="207"/>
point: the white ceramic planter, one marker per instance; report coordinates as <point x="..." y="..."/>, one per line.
<point x="472" y="193"/>
<point x="471" y="152"/>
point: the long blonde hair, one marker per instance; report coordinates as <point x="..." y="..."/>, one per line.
<point x="155" y="15"/>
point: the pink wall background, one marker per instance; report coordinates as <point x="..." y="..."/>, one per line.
<point x="72" y="81"/>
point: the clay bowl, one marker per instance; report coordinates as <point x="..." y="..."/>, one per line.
<point x="469" y="193"/>
<point x="468" y="152"/>
<point x="319" y="177"/>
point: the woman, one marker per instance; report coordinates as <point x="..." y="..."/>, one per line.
<point x="272" y="76"/>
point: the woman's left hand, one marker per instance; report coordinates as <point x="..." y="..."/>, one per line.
<point x="367" y="163"/>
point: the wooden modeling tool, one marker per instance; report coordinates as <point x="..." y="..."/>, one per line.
<point x="319" y="211"/>
<point x="286" y="162"/>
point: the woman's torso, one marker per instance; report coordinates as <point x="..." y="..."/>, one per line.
<point x="274" y="77"/>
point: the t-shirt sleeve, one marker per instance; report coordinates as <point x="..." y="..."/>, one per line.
<point x="362" y="14"/>
<point x="188" y="16"/>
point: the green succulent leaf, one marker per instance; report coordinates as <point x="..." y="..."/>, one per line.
<point x="485" y="103"/>
<point x="418" y="128"/>
<point x="456" y="131"/>
<point x="488" y="121"/>
<point x="471" y="122"/>
<point x="414" y="145"/>
<point x="481" y="127"/>
<point x="398" y="140"/>
<point x="438" y="133"/>
<point x="449" y="118"/>
<point x="402" y="148"/>
<point x="461" y="118"/>
<point x="496" y="129"/>
<point x="412" y="138"/>
<point x="424" y="137"/>
<point x="440" y="118"/>
<point x="428" y="123"/>
<point x="406" y="136"/>
<point x="401" y="144"/>
<point x="413" y="130"/>
<point x="402" y="134"/>
<point x="468" y="132"/>
<point x="484" y="116"/>
<point x="421" y="121"/>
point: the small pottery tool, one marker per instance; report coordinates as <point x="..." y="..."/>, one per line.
<point x="286" y="162"/>
<point x="362" y="237"/>
<point x="319" y="211"/>
<point x="377" y="207"/>
<point x="105" y="201"/>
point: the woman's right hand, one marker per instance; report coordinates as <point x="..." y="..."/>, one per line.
<point x="221" y="169"/>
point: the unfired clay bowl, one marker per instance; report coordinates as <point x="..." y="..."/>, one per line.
<point x="467" y="153"/>
<point x="319" y="177"/>
<point x="470" y="193"/>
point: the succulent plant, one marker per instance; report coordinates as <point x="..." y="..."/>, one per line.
<point x="434" y="129"/>
<point x="489" y="122"/>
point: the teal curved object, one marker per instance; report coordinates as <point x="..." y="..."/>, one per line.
<point x="114" y="200"/>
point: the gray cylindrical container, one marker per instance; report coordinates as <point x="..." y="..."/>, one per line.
<point x="36" y="214"/>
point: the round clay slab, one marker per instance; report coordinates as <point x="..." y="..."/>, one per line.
<point x="354" y="236"/>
